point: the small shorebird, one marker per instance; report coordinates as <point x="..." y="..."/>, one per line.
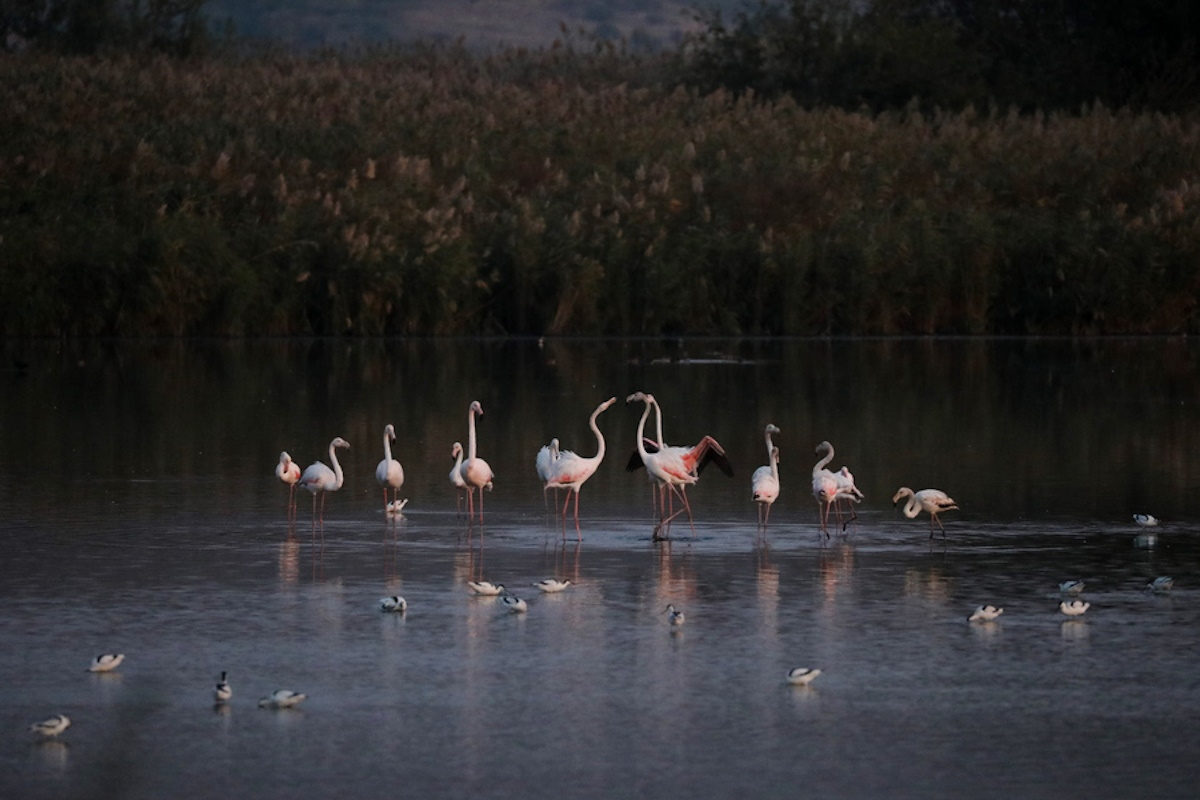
<point x="675" y="615"/>
<point x="1073" y="608"/>
<point x="486" y="588"/>
<point x="1071" y="587"/>
<point x="398" y="604"/>
<point x="985" y="613"/>
<point x="802" y="676"/>
<point x="1145" y="520"/>
<point x="514" y="604"/>
<point x="1161" y="584"/>
<point x="106" y="662"/>
<point x="223" y="691"/>
<point x="51" y="727"/>
<point x="550" y="585"/>
<point x="282" y="698"/>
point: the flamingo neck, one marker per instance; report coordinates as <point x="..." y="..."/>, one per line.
<point x="387" y="448"/>
<point x="658" y="421"/>
<point x="820" y="465"/>
<point x="337" y="466"/>
<point x="471" y="435"/>
<point x="599" y="435"/>
<point x="774" y="462"/>
<point x="641" y="431"/>
<point x="770" y="446"/>
<point x="911" y="508"/>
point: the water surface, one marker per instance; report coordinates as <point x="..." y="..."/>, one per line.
<point x="142" y="516"/>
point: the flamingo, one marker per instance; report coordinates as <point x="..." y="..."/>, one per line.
<point x="934" y="501"/>
<point x="319" y="479"/>
<point x="696" y="458"/>
<point x="665" y="467"/>
<point x="544" y="463"/>
<point x="476" y="473"/>
<point x="288" y="471"/>
<point x="847" y="491"/>
<point x="456" y="478"/>
<point x="389" y="473"/>
<point x="764" y="483"/>
<point x="824" y="485"/>
<point x="571" y="470"/>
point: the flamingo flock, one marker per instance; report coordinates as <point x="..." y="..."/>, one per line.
<point x="670" y="469"/>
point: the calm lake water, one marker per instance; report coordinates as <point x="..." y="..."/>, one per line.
<point x="142" y="515"/>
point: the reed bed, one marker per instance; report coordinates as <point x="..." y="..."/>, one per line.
<point x="561" y="192"/>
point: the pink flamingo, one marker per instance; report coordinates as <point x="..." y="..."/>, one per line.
<point x="288" y="471"/>
<point x="764" y="483"/>
<point x="934" y="501"/>
<point x="320" y="479"/>
<point x="824" y="485"/>
<point x="389" y="473"/>
<point x="475" y="471"/>
<point x="666" y="467"/>
<point x="544" y="463"/>
<point x="571" y="470"/>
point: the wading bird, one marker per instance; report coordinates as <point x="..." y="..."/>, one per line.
<point x="985" y="614"/>
<point x="288" y="471"/>
<point x="51" y="727"/>
<point x="802" y="676"/>
<point x="764" y="483"/>
<point x="456" y="478"/>
<point x="282" y="698"/>
<point x="933" y="501"/>
<point x="544" y="464"/>
<point x="1073" y="608"/>
<point x="476" y="473"/>
<point x="106" y="662"/>
<point x="389" y="473"/>
<point x="222" y="692"/>
<point x="320" y="479"/>
<point x="571" y="470"/>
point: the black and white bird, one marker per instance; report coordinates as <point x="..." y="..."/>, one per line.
<point x="51" y="727"/>
<point x="1146" y="520"/>
<point x="802" y="676"/>
<point x="106" y="662"/>
<point x="1071" y="587"/>
<point x="985" y="614"/>
<point x="222" y="691"/>
<point x="486" y="588"/>
<point x="282" y="698"/>
<point x="395" y="604"/>
<point x="550" y="585"/>
<point x="1073" y="608"/>
<point x="514" y="604"/>
<point x="674" y="615"/>
<point x="1161" y="584"/>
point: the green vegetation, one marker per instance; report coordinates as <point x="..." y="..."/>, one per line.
<point x="431" y="191"/>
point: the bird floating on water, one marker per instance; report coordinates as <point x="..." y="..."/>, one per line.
<point x="397" y="604"/>
<point x="1162" y="583"/>
<point x="282" y="698"/>
<point x="1073" y="608"/>
<point x="106" y="662"/>
<point x="514" y="604"/>
<point x="550" y="585"/>
<point x="802" y="676"/>
<point x="1071" y="587"/>
<point x="486" y="588"/>
<point x="985" y="613"/>
<point x="1146" y="520"/>
<point x="933" y="501"/>
<point x="674" y="614"/>
<point x="396" y="507"/>
<point x="51" y="727"/>
<point x="223" y="691"/>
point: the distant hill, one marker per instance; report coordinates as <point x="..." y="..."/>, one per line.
<point x="647" y="24"/>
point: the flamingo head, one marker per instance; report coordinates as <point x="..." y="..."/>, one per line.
<point x="340" y="442"/>
<point x="604" y="406"/>
<point x="285" y="459"/>
<point x="901" y="493"/>
<point x="476" y="408"/>
<point x="771" y="428"/>
<point x="456" y="450"/>
<point x="390" y="432"/>
<point x="636" y="397"/>
<point x="823" y="447"/>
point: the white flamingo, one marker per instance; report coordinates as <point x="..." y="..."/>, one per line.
<point x="571" y="470"/>
<point x="456" y="478"/>
<point x="764" y="483"/>
<point x="824" y="485"/>
<point x="476" y="473"/>
<point x="389" y="473"/>
<point x="694" y="458"/>
<point x="665" y="467"/>
<point x="288" y="471"/>
<point x="320" y="479"/>
<point x="933" y="501"/>
<point x="544" y="464"/>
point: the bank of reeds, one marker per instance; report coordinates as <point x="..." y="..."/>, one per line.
<point x="548" y="193"/>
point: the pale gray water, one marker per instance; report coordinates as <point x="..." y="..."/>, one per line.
<point x="142" y="515"/>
